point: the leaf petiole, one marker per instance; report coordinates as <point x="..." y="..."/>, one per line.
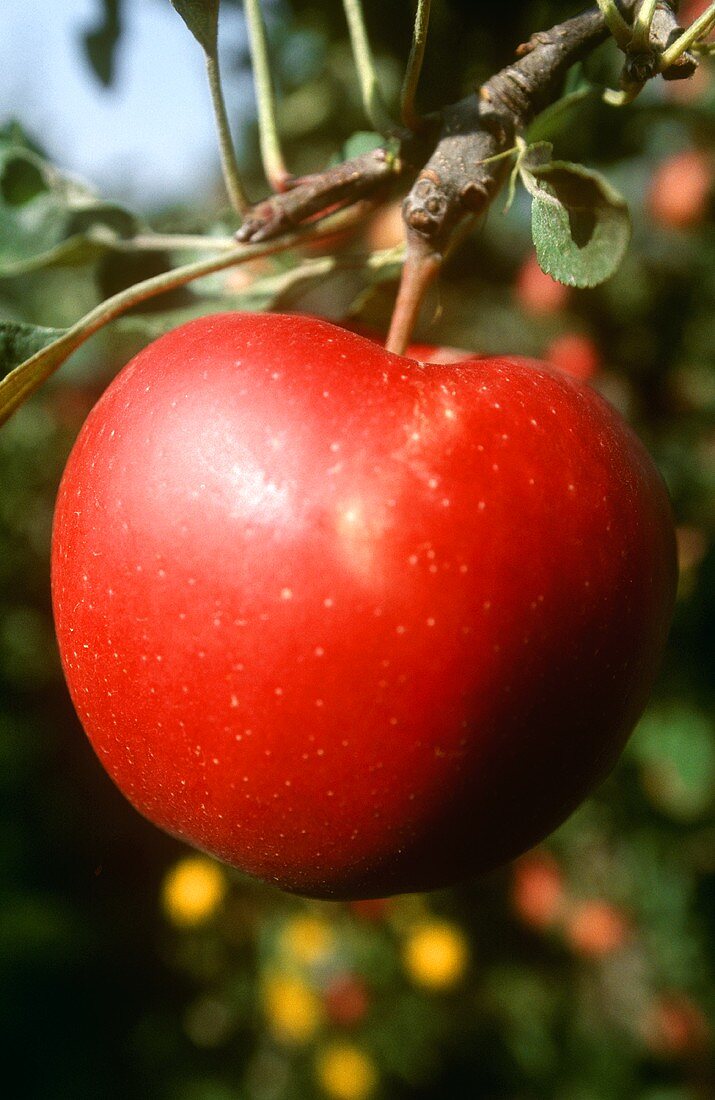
<point x="642" y="25"/>
<point x="616" y="23"/>
<point x="271" y="153"/>
<point x="373" y="102"/>
<point x="229" y="163"/>
<point x="697" y="29"/>
<point x="202" y="20"/>
<point x="408" y="111"/>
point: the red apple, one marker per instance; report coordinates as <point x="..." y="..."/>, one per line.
<point x="356" y="624"/>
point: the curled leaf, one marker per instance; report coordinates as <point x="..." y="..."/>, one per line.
<point x="580" y="223"/>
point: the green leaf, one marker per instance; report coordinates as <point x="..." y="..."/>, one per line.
<point x="32" y="218"/>
<point x="362" y="141"/>
<point x="100" y="43"/>
<point x="22" y="180"/>
<point x="80" y="249"/>
<point x="12" y="133"/>
<point x="20" y="341"/>
<point x="579" y="223"/>
<point x="537" y="155"/>
<point x="25" y="375"/>
<point x="47" y="219"/>
<point x="539" y="152"/>
<point x="201" y="17"/>
<point x="675" y="749"/>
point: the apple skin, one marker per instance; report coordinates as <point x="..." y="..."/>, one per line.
<point x="356" y="624"/>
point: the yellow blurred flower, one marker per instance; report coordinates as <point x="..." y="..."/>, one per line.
<point x="436" y="955"/>
<point x="345" y="1072"/>
<point x="294" y="1012"/>
<point x="307" y="939"/>
<point x="193" y="890"/>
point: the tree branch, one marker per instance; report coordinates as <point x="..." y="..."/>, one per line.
<point x="311" y="197"/>
<point x="462" y="149"/>
<point x="467" y="167"/>
<point x="462" y="176"/>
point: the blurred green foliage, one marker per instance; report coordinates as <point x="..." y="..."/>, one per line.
<point x="583" y="973"/>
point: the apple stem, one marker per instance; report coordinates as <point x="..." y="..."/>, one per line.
<point x="420" y="269"/>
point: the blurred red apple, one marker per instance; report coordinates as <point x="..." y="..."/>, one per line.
<point x="538" y="890"/>
<point x="347" y="1000"/>
<point x="679" y="193"/>
<point x="537" y="292"/>
<point x="574" y="353"/>
<point x="596" y="928"/>
<point x="676" y="1026"/>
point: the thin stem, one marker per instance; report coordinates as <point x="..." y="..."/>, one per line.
<point x="373" y="102"/>
<point x="622" y="97"/>
<point x="187" y="273"/>
<point x="408" y="111"/>
<point x="642" y="25"/>
<point x="229" y="163"/>
<point x="271" y="153"/>
<point x="518" y="148"/>
<point x="25" y="379"/>
<point x="698" y="29"/>
<point x="176" y="242"/>
<point x="615" y="23"/>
